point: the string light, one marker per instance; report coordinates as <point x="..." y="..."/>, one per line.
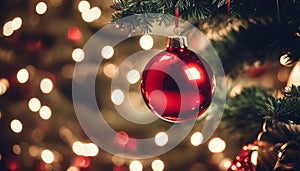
<point x="47" y="156"/>
<point x="41" y="8"/>
<point x="16" y="126"/>
<point x="45" y="112"/>
<point x="117" y="96"/>
<point x="78" y="55"/>
<point x="34" y="104"/>
<point x="216" y="145"/>
<point x="196" y="138"/>
<point x="136" y="166"/>
<point x="161" y="139"/>
<point x="107" y="52"/>
<point x="46" y="85"/>
<point x="133" y="76"/>
<point x="158" y="165"/>
<point x="23" y="76"/>
<point x="146" y="42"/>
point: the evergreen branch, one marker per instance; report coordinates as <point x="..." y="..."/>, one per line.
<point x="293" y="91"/>
<point x="286" y="109"/>
<point x="243" y="110"/>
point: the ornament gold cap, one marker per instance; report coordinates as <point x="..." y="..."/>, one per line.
<point x="177" y="42"/>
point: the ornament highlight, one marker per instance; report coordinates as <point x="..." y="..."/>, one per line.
<point x="177" y="84"/>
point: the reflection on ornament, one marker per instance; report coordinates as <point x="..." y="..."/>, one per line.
<point x="177" y="85"/>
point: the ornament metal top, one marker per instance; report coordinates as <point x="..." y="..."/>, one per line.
<point x="177" y="84"/>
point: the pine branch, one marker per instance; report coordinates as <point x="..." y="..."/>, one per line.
<point x="286" y="109"/>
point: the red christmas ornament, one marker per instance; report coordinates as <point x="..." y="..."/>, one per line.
<point x="243" y="160"/>
<point x="177" y="85"/>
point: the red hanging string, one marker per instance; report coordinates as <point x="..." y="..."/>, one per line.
<point x="228" y="7"/>
<point x="176" y="17"/>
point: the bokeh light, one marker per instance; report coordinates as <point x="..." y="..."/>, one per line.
<point x="161" y="139"/>
<point x="46" y="85"/>
<point x="158" y="165"/>
<point x="91" y="150"/>
<point x="196" y="138"/>
<point x="34" y="104"/>
<point x="45" y="112"/>
<point x="136" y="166"/>
<point x="78" y="55"/>
<point x="16" y="126"/>
<point x="118" y="161"/>
<point x="77" y="148"/>
<point x="84" y="6"/>
<point x="110" y="70"/>
<point x="73" y="168"/>
<point x="8" y="28"/>
<point x="133" y="76"/>
<point x="17" y="149"/>
<point x="16" y="23"/>
<point x="96" y="12"/>
<point x="41" y="8"/>
<point x="117" y="96"/>
<point x="146" y="42"/>
<point x="23" y="75"/>
<point x="216" y="145"/>
<point x="47" y="156"/>
<point x="107" y="52"/>
<point x="74" y="34"/>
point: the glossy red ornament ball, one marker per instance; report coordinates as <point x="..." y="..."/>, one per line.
<point x="177" y="85"/>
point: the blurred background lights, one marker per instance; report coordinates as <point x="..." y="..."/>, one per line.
<point x="22" y="75"/>
<point x="133" y="76"/>
<point x="146" y="42"/>
<point x="92" y="150"/>
<point x="96" y="12"/>
<point x="73" y="168"/>
<point x="78" y="55"/>
<point x="77" y="148"/>
<point x="47" y="156"/>
<point x="16" y="126"/>
<point x="161" y="139"/>
<point x="16" y="23"/>
<point x="34" y="104"/>
<point x="110" y="70"/>
<point x="8" y="28"/>
<point x="107" y="52"/>
<point x="4" y="85"/>
<point x="118" y="161"/>
<point x="136" y="166"/>
<point x="17" y="149"/>
<point x="117" y="96"/>
<point x="46" y="85"/>
<point x="216" y="145"/>
<point x="45" y="112"/>
<point x="196" y="138"/>
<point x="87" y="16"/>
<point x="84" y="6"/>
<point x="158" y="165"/>
<point x="41" y="8"/>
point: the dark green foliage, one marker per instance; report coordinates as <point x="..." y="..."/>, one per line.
<point x="242" y="117"/>
<point x="286" y="109"/>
